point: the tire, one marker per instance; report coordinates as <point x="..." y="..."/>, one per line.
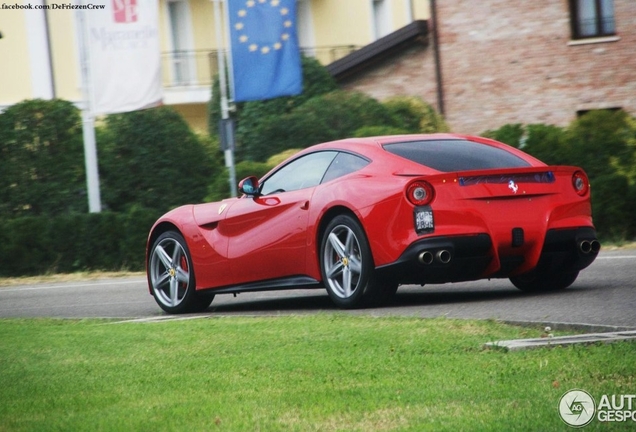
<point x="346" y="262"/>
<point x="533" y="282"/>
<point x="171" y="276"/>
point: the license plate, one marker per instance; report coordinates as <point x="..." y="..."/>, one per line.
<point x="424" y="220"/>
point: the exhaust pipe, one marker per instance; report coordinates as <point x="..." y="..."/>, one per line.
<point x="426" y="257"/>
<point x="585" y="246"/>
<point x="595" y="246"/>
<point x="443" y="256"/>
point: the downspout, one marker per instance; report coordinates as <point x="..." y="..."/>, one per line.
<point x="438" y="62"/>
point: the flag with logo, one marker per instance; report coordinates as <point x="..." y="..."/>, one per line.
<point x="125" y="57"/>
<point x="264" y="48"/>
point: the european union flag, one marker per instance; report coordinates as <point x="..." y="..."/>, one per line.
<point x="265" y="54"/>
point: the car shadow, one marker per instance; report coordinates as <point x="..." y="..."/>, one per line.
<point x="408" y="296"/>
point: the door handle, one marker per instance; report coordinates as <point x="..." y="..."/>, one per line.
<point x="304" y="205"/>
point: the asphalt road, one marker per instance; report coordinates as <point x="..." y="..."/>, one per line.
<point x="604" y="294"/>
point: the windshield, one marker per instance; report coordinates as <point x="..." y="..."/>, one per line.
<point x="455" y="155"/>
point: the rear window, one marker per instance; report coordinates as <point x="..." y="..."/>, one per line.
<point x="455" y="155"/>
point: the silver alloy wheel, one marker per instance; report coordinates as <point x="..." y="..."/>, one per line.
<point x="169" y="272"/>
<point x="342" y="259"/>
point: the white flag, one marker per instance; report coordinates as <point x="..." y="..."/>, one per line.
<point x="125" y="55"/>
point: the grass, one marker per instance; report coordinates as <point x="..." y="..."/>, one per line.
<point x="66" y="277"/>
<point x="309" y="373"/>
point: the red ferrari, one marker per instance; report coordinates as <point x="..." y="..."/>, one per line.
<point x="360" y="217"/>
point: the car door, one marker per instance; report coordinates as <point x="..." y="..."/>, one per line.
<point x="268" y="233"/>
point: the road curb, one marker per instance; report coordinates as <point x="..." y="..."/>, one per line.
<point x="599" y="334"/>
<point x="565" y="326"/>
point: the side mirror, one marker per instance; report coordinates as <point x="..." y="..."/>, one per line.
<point x="249" y="186"/>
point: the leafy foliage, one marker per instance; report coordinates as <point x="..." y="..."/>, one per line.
<point x="322" y="113"/>
<point x="73" y="242"/>
<point x="42" y="159"/>
<point x="510" y="134"/>
<point x="602" y="142"/>
<point x="412" y="114"/>
<point x="151" y="158"/>
<point x="546" y="143"/>
<point x="323" y="118"/>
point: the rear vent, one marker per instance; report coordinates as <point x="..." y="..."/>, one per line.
<point x="517" y="237"/>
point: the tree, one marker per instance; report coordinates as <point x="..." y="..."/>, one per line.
<point x="602" y="142"/>
<point x="546" y="143"/>
<point x="510" y="134"/>
<point x="414" y="115"/>
<point x="42" y="159"/>
<point x="151" y="158"/>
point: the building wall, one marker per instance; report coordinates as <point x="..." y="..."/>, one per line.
<point x="408" y="73"/>
<point x="15" y="77"/>
<point x="505" y="61"/>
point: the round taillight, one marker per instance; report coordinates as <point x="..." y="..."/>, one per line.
<point x="420" y="193"/>
<point x="580" y="183"/>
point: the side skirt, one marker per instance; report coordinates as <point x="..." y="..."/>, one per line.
<point x="286" y="283"/>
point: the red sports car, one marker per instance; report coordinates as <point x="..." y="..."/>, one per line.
<point x="360" y="217"/>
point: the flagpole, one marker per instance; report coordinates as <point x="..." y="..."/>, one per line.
<point x="225" y="108"/>
<point x="88" y="122"/>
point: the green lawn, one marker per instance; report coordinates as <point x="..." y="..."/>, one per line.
<point x="299" y="373"/>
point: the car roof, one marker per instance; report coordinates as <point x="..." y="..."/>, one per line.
<point x="371" y="145"/>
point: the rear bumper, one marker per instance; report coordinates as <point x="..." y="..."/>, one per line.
<point x="472" y="257"/>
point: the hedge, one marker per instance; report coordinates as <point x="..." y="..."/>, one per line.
<point x="76" y="242"/>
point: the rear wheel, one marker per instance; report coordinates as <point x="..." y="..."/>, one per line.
<point x="171" y="276"/>
<point x="543" y="282"/>
<point x="346" y="263"/>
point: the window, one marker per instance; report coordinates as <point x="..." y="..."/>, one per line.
<point x="182" y="61"/>
<point x="343" y="164"/>
<point x="592" y="18"/>
<point x="381" y="20"/>
<point x="304" y="172"/>
<point x="455" y="155"/>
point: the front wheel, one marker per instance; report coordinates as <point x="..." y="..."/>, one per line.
<point x="543" y="282"/>
<point x="346" y="263"/>
<point x="171" y="276"/>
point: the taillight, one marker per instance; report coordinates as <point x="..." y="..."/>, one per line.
<point x="580" y="183"/>
<point x="420" y="193"/>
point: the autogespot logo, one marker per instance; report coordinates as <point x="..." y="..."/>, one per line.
<point x="577" y="408"/>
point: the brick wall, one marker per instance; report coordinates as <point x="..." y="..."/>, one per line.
<point x="508" y="61"/>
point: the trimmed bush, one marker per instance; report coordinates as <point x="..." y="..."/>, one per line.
<point x="414" y="115"/>
<point x="42" y="159"/>
<point x="152" y="159"/>
<point x="67" y="243"/>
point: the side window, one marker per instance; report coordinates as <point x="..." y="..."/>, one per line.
<point x="592" y="18"/>
<point x="304" y="172"/>
<point x="343" y="164"/>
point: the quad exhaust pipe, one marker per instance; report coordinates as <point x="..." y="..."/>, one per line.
<point x="589" y="246"/>
<point x="427" y="257"/>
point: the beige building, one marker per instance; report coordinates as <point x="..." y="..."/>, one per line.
<point x="40" y="48"/>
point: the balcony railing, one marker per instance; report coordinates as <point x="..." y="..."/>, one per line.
<point x="196" y="68"/>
